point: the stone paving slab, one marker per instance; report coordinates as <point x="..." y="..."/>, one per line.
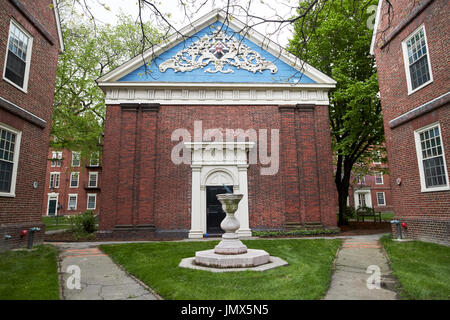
<point x="357" y="261"/>
<point x="100" y="278"/>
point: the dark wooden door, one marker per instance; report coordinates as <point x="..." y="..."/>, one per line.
<point x="52" y="207"/>
<point x="214" y="212"/>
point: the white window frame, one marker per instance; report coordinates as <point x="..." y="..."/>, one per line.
<point x="78" y="179"/>
<point x="56" y="159"/>
<point x="97" y="157"/>
<point x="12" y="192"/>
<point x="406" y="60"/>
<point x="96" y="179"/>
<point x="384" y="199"/>
<point x="28" y="58"/>
<point x="74" y="154"/>
<point x="87" y="201"/>
<point x="50" y="181"/>
<point x="379" y="158"/>
<point x="382" y="178"/>
<point x="420" y="159"/>
<point x="68" y="201"/>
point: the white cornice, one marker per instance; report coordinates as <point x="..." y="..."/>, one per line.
<point x="218" y="95"/>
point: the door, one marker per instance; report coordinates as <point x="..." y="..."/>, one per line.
<point x="52" y="205"/>
<point x="214" y="212"/>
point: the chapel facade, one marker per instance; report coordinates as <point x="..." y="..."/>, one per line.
<point x="221" y="111"/>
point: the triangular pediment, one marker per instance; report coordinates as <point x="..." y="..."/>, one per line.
<point x="214" y="52"/>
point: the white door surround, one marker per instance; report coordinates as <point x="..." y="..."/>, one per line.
<point x="52" y="196"/>
<point x="218" y="164"/>
<point x="367" y="197"/>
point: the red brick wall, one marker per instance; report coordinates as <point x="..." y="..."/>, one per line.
<point x="26" y="206"/>
<point x="64" y="185"/>
<point x="143" y="186"/>
<point x="431" y="208"/>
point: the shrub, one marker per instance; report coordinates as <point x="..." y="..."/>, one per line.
<point x="83" y="225"/>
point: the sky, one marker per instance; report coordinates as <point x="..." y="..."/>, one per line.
<point x="176" y="16"/>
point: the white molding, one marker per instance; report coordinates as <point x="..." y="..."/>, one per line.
<point x="59" y="179"/>
<point x="28" y="57"/>
<point x="58" y="26"/>
<point x="382" y="178"/>
<point x="367" y="195"/>
<point x="49" y="195"/>
<point x="96" y="179"/>
<point x="235" y="24"/>
<point x="375" y="27"/>
<point x="220" y="96"/>
<point x="423" y="185"/>
<point x="406" y="60"/>
<point x="12" y="192"/>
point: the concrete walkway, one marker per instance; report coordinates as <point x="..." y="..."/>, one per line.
<point x="86" y="273"/>
<point x="362" y="272"/>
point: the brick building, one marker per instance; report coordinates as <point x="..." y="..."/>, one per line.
<point x="217" y="109"/>
<point x="71" y="186"/>
<point x="30" y="41"/>
<point x="372" y="189"/>
<point x="411" y="49"/>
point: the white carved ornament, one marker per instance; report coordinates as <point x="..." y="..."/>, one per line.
<point x="220" y="49"/>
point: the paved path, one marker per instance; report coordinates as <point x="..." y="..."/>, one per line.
<point x="359" y="259"/>
<point x="100" y="278"/>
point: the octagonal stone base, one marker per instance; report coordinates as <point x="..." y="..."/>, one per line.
<point x="251" y="258"/>
<point x="274" y="262"/>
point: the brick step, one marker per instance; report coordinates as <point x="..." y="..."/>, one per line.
<point x="307" y="225"/>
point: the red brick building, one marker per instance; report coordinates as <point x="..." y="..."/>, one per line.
<point x="411" y="42"/>
<point x="372" y="190"/>
<point x="30" y="41"/>
<point x="217" y="109"/>
<point x="71" y="186"/>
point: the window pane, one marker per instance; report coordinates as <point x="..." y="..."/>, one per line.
<point x="434" y="172"/>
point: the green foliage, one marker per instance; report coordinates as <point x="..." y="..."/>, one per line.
<point x="338" y="44"/>
<point x="90" y="52"/>
<point x="83" y="225"/>
<point x="300" y="232"/>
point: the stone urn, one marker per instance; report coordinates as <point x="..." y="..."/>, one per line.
<point x="230" y="243"/>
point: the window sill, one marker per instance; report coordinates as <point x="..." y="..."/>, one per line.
<point x="24" y="89"/>
<point x="410" y="92"/>
<point x="437" y="189"/>
<point x="7" y="195"/>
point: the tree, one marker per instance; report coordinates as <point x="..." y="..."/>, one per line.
<point x="338" y="45"/>
<point x="90" y="52"/>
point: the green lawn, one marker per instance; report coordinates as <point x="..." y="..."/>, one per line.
<point x="29" y="275"/>
<point x="50" y="223"/>
<point x="306" y="277"/>
<point x="423" y="269"/>
<point x="387" y="216"/>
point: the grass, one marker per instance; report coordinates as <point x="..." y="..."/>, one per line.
<point x="29" y="275"/>
<point x="423" y="269"/>
<point x="50" y="223"/>
<point x="306" y="277"/>
<point x="387" y="216"/>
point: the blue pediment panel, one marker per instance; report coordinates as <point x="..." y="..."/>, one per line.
<point x="217" y="54"/>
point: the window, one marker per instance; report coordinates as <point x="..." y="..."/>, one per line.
<point x="74" y="177"/>
<point x="54" y="180"/>
<point x="377" y="158"/>
<point x="75" y="159"/>
<point x="9" y="159"/>
<point x="18" y="57"/>
<point x="361" y="200"/>
<point x="381" y="199"/>
<point x="417" y="60"/>
<point x="73" y="198"/>
<point x="378" y="178"/>
<point x="95" y="159"/>
<point x="431" y="159"/>
<point x="361" y="179"/>
<point x="93" y="178"/>
<point x="56" y="158"/>
<point x="91" y="201"/>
